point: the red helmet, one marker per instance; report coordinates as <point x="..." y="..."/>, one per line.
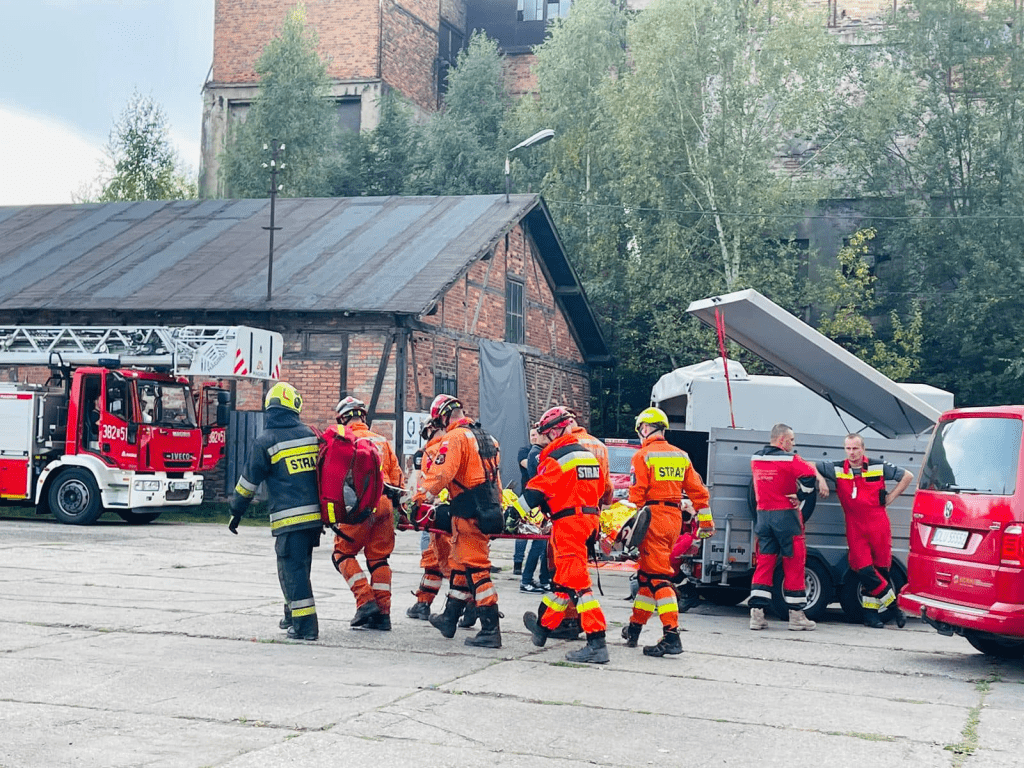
<point x="442" y="406"/>
<point x="553" y="418"/>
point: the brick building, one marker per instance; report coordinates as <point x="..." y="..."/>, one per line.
<point x="392" y="300"/>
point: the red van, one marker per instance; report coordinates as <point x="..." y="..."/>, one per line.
<point x="966" y="563"/>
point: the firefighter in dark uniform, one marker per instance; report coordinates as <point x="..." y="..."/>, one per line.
<point x="284" y="456"/>
<point x="569" y="485"/>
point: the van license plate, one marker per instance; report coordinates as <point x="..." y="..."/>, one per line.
<point x="949" y="537"/>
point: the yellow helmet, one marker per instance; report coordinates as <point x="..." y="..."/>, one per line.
<point x="283" y="395"/>
<point x="653" y="416"/>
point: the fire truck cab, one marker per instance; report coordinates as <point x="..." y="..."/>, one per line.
<point x="100" y="436"/>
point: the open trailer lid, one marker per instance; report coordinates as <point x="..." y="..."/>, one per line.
<point x="770" y="332"/>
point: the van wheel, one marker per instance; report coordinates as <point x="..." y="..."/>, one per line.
<point x="999" y="647"/>
<point x="850" y="592"/>
<point x="818" y="585"/>
<point x="137" y="518"/>
<point x="75" y="498"/>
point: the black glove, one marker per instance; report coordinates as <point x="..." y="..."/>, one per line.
<point x="233" y="524"/>
<point x="393" y="493"/>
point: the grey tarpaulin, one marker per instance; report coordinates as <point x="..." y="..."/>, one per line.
<point x="503" y="409"/>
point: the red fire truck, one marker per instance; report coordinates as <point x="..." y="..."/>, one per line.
<point x="118" y="427"/>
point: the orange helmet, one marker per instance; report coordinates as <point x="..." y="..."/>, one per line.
<point x="442" y="406"/>
<point x="553" y="418"/>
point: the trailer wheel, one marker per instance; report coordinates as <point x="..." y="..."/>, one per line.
<point x="75" y="498"/>
<point x="993" y="645"/>
<point x="818" y="585"/>
<point x="137" y="518"/>
<point x="849" y="593"/>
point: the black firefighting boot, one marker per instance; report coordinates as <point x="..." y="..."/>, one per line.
<point x="489" y="635"/>
<point x="872" y="618"/>
<point x="631" y="634"/>
<point x="594" y="652"/>
<point x="669" y="644"/>
<point x="569" y="629"/>
<point x="447" y="622"/>
<point x="893" y="613"/>
<point x="287" y="620"/>
<point x="469" y="616"/>
<point x="540" y="633"/>
<point x="380" y="621"/>
<point x="420" y="610"/>
<point x="364" y="613"/>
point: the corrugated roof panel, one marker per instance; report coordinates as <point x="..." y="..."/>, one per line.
<point x="431" y="243"/>
<point x="362" y="248"/>
<point x="173" y="245"/>
<point x="293" y="262"/>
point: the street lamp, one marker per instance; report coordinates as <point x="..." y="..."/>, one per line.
<point x="538" y="138"/>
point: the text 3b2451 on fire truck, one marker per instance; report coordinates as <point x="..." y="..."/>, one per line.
<point x="118" y="426"/>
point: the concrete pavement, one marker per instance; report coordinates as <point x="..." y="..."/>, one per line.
<point x="158" y="646"/>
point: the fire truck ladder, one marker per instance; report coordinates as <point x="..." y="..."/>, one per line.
<point x="215" y="351"/>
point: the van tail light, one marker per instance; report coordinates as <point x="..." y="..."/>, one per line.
<point x="1012" y="550"/>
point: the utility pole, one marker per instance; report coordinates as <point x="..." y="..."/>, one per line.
<point x="275" y="151"/>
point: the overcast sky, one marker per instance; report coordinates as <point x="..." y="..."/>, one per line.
<point x="67" y="69"/>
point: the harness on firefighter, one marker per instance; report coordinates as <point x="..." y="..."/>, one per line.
<point x="482" y="502"/>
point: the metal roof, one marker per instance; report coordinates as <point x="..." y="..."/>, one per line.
<point x="770" y="332"/>
<point x="393" y="255"/>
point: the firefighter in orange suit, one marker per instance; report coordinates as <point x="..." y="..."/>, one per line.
<point x="435" y="558"/>
<point x="568" y="486"/>
<point x="375" y="536"/>
<point x="659" y="476"/>
<point x="467" y="465"/>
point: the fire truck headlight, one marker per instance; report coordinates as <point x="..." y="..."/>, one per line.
<point x="199" y="483"/>
<point x="147" y="485"/>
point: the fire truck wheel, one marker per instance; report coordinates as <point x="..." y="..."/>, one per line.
<point x="818" y="584"/>
<point x="137" y="518"/>
<point x="75" y="498"/>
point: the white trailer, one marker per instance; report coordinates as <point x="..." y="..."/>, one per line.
<point x="826" y="393"/>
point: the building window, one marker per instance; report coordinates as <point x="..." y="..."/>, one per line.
<point x="445" y="385"/>
<point x="515" y="321"/>
<point x="350" y="113"/>
<point x="449" y="42"/>
<point x="542" y="10"/>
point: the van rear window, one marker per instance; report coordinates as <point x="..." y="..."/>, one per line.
<point x="974" y="455"/>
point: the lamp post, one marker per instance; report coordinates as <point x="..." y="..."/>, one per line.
<point x="538" y="138"/>
<point x="275" y="151"/>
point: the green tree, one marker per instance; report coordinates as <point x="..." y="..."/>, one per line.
<point x="462" y="150"/>
<point x="294" y="107"/>
<point x="142" y="163"/>
<point x="391" y="150"/>
<point x="847" y="300"/>
<point x="932" y="136"/>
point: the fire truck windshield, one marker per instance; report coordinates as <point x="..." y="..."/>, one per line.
<point x="166" y="404"/>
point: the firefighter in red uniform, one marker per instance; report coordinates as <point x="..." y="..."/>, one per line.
<point x="568" y="486"/>
<point x="375" y="536"/>
<point x="467" y="466"/>
<point x="860" y="486"/>
<point x="659" y="476"/>
<point x="435" y="559"/>
<point x="779" y="475"/>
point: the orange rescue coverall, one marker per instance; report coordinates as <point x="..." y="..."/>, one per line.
<point x="599" y="450"/>
<point x="458" y="467"/>
<point x="659" y="475"/>
<point x="571" y="481"/>
<point x="375" y="536"/>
